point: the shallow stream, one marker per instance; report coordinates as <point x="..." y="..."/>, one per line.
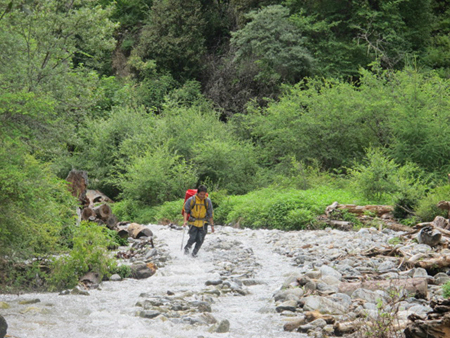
<point x="111" y="311"/>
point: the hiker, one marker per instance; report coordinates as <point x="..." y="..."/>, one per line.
<point x="200" y="211"/>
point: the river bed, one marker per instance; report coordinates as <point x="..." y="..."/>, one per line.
<point x="112" y="310"/>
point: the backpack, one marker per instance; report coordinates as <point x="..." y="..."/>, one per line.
<point x="189" y="194"/>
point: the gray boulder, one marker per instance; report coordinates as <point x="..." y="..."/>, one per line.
<point x="3" y="327"/>
<point x="141" y="271"/>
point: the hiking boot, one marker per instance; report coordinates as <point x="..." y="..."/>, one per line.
<point x="186" y="251"/>
<point x="194" y="255"/>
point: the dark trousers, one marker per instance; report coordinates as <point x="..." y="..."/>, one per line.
<point x="197" y="236"/>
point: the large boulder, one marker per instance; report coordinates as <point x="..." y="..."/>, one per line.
<point x="141" y="271"/>
<point x="3" y="327"/>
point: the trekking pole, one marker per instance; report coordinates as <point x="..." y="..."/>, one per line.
<point x="182" y="239"/>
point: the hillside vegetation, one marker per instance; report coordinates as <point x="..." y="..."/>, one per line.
<point x="280" y="108"/>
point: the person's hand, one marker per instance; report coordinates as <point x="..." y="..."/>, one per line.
<point x="212" y="228"/>
<point x="185" y="223"/>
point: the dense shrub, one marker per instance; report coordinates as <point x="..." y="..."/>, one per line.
<point x="156" y="176"/>
<point x="282" y="208"/>
<point x="89" y="253"/>
<point x="381" y="179"/>
<point x="35" y="206"/>
<point x="427" y="208"/>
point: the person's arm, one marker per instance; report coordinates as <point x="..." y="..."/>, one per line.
<point x="187" y="211"/>
<point x="210" y="213"/>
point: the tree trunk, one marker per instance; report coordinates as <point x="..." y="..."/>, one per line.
<point x="417" y="286"/>
<point x="111" y="222"/>
<point x="96" y="196"/>
<point x="378" y="210"/>
<point x="87" y="213"/>
<point x="136" y="230"/>
<point x="78" y="180"/>
<point x="103" y="212"/>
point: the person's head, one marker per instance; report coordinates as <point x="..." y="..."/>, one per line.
<point x="201" y="191"/>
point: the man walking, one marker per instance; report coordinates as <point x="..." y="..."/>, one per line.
<point x="198" y="211"/>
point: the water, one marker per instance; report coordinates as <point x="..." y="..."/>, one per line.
<point x="112" y="312"/>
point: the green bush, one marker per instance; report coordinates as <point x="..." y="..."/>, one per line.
<point x="381" y="179"/>
<point x="126" y="210"/>
<point x="169" y="212"/>
<point x="446" y="289"/>
<point x="123" y="271"/>
<point x="89" y="253"/>
<point x="427" y="208"/>
<point x="282" y="208"/>
<point x="156" y="176"/>
<point x="35" y="206"/>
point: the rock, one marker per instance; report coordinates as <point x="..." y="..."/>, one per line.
<point x="149" y="314"/>
<point x="367" y="295"/>
<point x="290" y="305"/>
<point x="329" y="271"/>
<point x="150" y="253"/>
<point x="30" y="301"/>
<point x="141" y="271"/>
<point x="78" y="291"/>
<point x="3" y="327"/>
<point x="318" y="323"/>
<point x="201" y="306"/>
<point x="429" y="236"/>
<point x="115" y="278"/>
<point x="294" y="324"/>
<point x="214" y="282"/>
<point x="291" y="280"/>
<point x="224" y="326"/>
<point x="324" y="305"/>
<point x="420" y="273"/>
<point x="441" y="278"/>
<point x="288" y="294"/>
<point x="330" y="280"/>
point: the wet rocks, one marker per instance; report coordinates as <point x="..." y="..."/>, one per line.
<point x="224" y="326"/>
<point x="3" y="327"/>
<point x="345" y="278"/>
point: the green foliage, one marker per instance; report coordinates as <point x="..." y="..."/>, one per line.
<point x="232" y="165"/>
<point x="18" y="276"/>
<point x="34" y="204"/>
<point x="123" y="271"/>
<point x="156" y="176"/>
<point x="427" y="208"/>
<point x="385" y="323"/>
<point x="383" y="180"/>
<point x="344" y="36"/>
<point x="126" y="210"/>
<point x="168" y="212"/>
<point x="446" y="289"/>
<point x="274" y="44"/>
<point x="173" y="37"/>
<point x="333" y="122"/>
<point x="278" y="208"/>
<point x="89" y="253"/>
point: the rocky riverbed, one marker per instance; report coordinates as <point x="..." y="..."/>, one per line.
<point x="244" y="283"/>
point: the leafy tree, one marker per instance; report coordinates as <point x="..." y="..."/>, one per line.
<point x="173" y="37"/>
<point x="346" y="35"/>
<point x="274" y="44"/>
<point x="333" y="121"/>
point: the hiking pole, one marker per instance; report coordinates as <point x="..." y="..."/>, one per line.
<point x="182" y="239"/>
